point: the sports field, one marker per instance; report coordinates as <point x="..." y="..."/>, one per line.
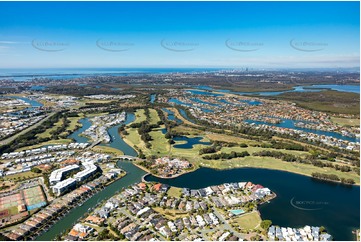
<point x="24" y="200"/>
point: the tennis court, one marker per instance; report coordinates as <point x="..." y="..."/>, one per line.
<point x="12" y="204"/>
<point x="34" y="197"/>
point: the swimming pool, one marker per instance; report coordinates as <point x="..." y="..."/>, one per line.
<point x="237" y="211"/>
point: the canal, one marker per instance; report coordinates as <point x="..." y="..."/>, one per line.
<point x="134" y="175"/>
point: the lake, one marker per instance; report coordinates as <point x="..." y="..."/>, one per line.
<point x="189" y="142"/>
<point x="336" y="206"/>
<point x="152" y="98"/>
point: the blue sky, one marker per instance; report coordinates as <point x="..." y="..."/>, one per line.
<point x="179" y="34"/>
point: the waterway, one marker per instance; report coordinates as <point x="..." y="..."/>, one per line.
<point x="33" y="103"/>
<point x="288" y="123"/>
<point x="134" y="175"/>
<point x="171" y="116"/>
<point x="312" y="88"/>
<point x="117" y="141"/>
<point x="333" y="205"/>
<point x="76" y="135"/>
<point x="184" y="115"/>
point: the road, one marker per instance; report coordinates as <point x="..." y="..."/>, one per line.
<point x="226" y="225"/>
<point x="13" y="137"/>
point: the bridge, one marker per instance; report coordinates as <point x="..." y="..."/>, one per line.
<point x="127" y="157"/>
<point x="94" y="144"/>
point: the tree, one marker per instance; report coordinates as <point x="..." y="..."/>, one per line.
<point x="322" y="229"/>
<point x="36" y="170"/>
<point x="265" y="224"/>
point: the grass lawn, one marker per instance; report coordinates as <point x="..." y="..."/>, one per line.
<point x="50" y="142"/>
<point x="229" y="138"/>
<point x="73" y="125"/>
<point x="174" y="192"/>
<point x="248" y="221"/>
<point x="23" y="175"/>
<point x="154" y="118"/>
<point x="107" y="149"/>
<point x="15" y="108"/>
<point x="346" y="121"/>
<point x="13" y="210"/>
<point x="90" y="115"/>
<point x="171" y="214"/>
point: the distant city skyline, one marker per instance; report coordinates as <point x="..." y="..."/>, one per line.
<point x="179" y="34"/>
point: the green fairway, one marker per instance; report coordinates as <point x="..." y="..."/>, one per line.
<point x="140" y="116"/>
<point x="185" y="130"/>
<point x="133" y="139"/>
<point x="154" y="118"/>
<point x="252" y="150"/>
<point x="47" y="132"/>
<point x="74" y="122"/>
<point x="229" y="139"/>
<point x="160" y="145"/>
